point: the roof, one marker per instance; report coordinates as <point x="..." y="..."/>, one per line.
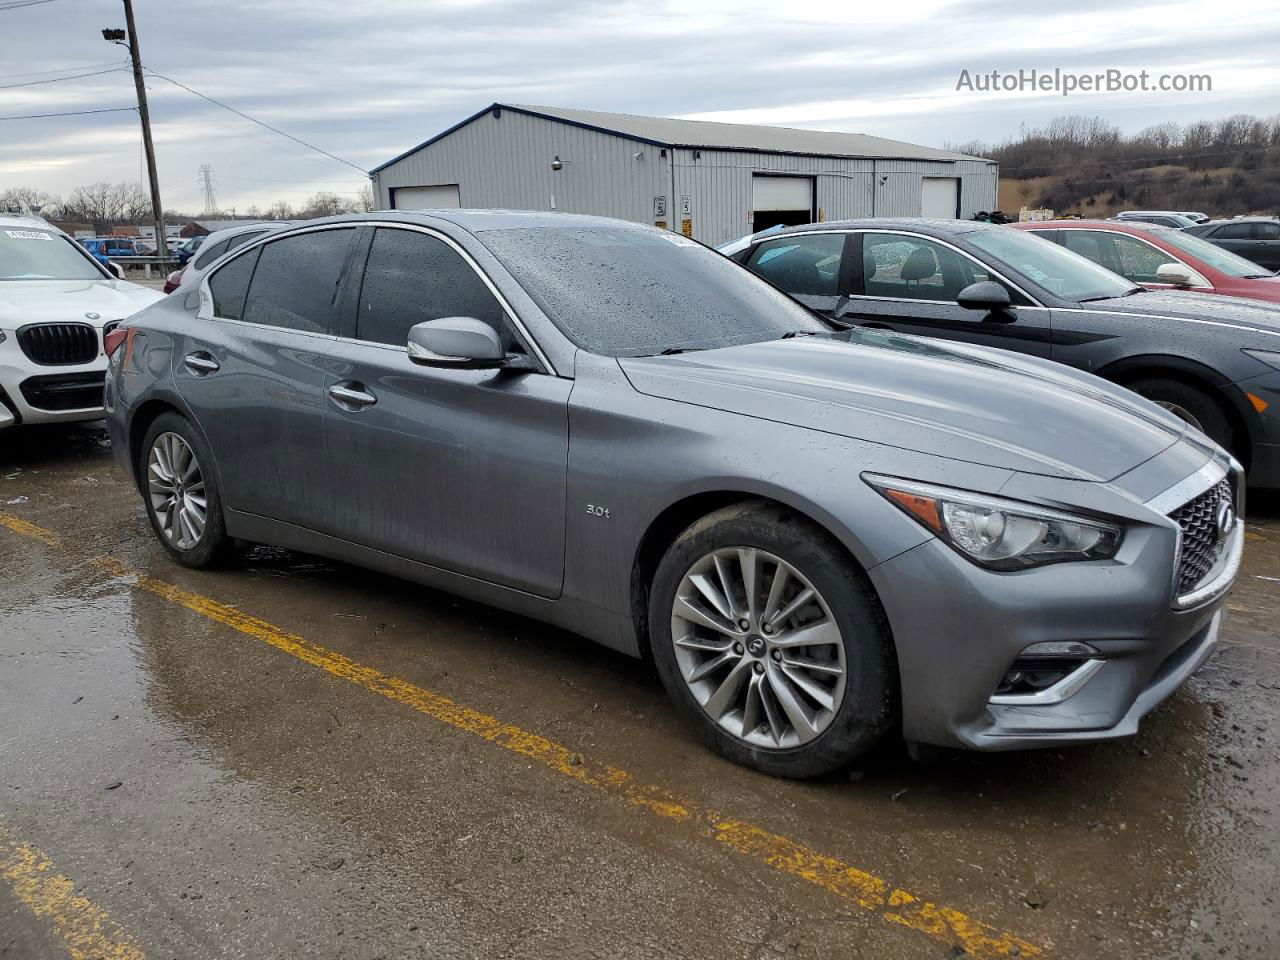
<point x="214" y="225"/>
<point x="1119" y="226"/>
<point x="926" y="225"/>
<point x="709" y="135"/>
<point x="18" y="220"/>
<point x="1254" y="219"/>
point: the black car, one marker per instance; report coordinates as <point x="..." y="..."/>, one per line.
<point x="1254" y="238"/>
<point x="1213" y="361"/>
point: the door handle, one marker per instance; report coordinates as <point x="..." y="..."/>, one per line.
<point x="200" y="363"/>
<point x="354" y="393"/>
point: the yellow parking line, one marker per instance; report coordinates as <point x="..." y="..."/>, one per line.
<point x="866" y="890"/>
<point x="86" y="929"/>
<point x="20" y="526"/>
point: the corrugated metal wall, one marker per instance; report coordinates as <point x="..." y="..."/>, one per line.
<point x="506" y="162"/>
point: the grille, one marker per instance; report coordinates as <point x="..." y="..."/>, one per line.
<point x="65" y="391"/>
<point x="59" y="344"/>
<point x="1201" y="546"/>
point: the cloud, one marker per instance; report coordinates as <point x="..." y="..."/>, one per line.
<point x="365" y="81"/>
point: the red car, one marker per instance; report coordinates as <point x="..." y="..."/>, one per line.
<point x="174" y="280"/>
<point x="1161" y="257"/>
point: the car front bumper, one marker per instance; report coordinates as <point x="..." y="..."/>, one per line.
<point x="32" y="394"/>
<point x="958" y="628"/>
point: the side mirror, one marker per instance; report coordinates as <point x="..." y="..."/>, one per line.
<point x="456" y="341"/>
<point x="116" y="269"/>
<point x="984" y="295"/>
<point x="1174" y="273"/>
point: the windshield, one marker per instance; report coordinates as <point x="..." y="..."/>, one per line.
<point x="627" y="291"/>
<point x="27" y="254"/>
<point x="1055" y="268"/>
<point x="1212" y="254"/>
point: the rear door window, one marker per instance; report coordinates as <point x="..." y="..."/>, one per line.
<point x="808" y="263"/>
<point x="1266" y="231"/>
<point x="1235" y="231"/>
<point x="240" y="239"/>
<point x="297" y="281"/>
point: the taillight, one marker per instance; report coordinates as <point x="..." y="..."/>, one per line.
<point x="113" y="338"/>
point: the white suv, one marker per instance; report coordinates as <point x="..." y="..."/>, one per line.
<point x="56" y="303"/>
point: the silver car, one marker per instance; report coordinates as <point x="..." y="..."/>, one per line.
<point x="819" y="537"/>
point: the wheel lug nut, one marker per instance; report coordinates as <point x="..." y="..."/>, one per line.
<point x="767" y="628"/>
<point x="777" y="655"/>
<point x="743" y="625"/>
<point x="738" y="648"/>
<point x="758" y="667"/>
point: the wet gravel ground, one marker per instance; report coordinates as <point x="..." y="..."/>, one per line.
<point x="212" y="795"/>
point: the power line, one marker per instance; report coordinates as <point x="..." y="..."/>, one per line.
<point x="69" y="113"/>
<point x="22" y="3"/>
<point x="240" y="113"/>
<point x="82" y="66"/>
<point x="32" y="83"/>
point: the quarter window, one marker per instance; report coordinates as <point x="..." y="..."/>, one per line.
<point x="412" y="277"/>
<point x="240" y="239"/>
<point x="230" y="283"/>
<point x="297" y="280"/>
<point x="807" y="264"/>
<point x="1266" y="231"/>
<point x="912" y="268"/>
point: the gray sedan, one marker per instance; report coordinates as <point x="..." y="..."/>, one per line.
<point x="819" y="537"/>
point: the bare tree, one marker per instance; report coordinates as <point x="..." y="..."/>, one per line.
<point x="29" y="200"/>
<point x="280" y="210"/>
<point x="364" y="199"/>
<point x="325" y="204"/>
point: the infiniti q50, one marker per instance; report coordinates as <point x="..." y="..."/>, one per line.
<point x="819" y="536"/>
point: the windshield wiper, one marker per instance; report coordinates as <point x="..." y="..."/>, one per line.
<point x="672" y="351"/>
<point x="792" y="334"/>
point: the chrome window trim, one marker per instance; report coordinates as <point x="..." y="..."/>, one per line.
<point x="1034" y="305"/>
<point x="205" y="310"/>
<point x="1161" y="316"/>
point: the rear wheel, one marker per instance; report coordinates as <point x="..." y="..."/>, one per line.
<point x="770" y="642"/>
<point x="181" y="493"/>
<point x="1191" y="404"/>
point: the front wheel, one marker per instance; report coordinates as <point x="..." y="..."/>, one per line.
<point x="181" y="493"/>
<point x="770" y="641"/>
<point x="1190" y="404"/>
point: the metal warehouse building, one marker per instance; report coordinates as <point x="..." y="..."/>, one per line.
<point x="711" y="181"/>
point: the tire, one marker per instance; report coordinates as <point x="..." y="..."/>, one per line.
<point x="212" y="546"/>
<point x="852" y="711"/>
<point x="1192" y="404"/>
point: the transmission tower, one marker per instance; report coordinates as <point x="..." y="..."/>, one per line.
<point x="206" y="182"/>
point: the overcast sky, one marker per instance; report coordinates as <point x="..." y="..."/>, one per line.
<point x="366" y="80"/>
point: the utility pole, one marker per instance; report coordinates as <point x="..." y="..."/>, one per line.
<point x="131" y="42"/>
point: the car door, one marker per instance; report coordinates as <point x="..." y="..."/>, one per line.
<point x="1236" y="237"/>
<point x="1265" y="247"/>
<point x="253" y="375"/>
<point x="463" y="469"/>
<point x="1132" y="257"/>
<point x="909" y="283"/>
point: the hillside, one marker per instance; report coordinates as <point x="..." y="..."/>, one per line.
<point x="1085" y="166"/>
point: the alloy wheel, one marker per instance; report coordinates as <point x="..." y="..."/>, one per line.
<point x="758" y="647"/>
<point x="175" y="484"/>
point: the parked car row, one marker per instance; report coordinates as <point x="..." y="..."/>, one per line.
<point x="819" y="528"/>
<point x="214" y="246"/>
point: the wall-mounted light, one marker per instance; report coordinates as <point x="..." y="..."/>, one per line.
<point x="558" y="164"/>
<point x="638" y="155"/>
<point x="884" y="178"/>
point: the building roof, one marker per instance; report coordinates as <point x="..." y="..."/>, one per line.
<point x="708" y="135"/>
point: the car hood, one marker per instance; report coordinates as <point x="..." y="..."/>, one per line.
<point x="66" y="301"/>
<point x="966" y="403"/>
<point x="1237" y="311"/>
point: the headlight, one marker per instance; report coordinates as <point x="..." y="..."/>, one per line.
<point x="1270" y="357"/>
<point x="997" y="533"/>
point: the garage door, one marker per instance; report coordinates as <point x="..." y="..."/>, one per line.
<point x="781" y="193"/>
<point x="940" y="197"/>
<point x="439" y="197"/>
